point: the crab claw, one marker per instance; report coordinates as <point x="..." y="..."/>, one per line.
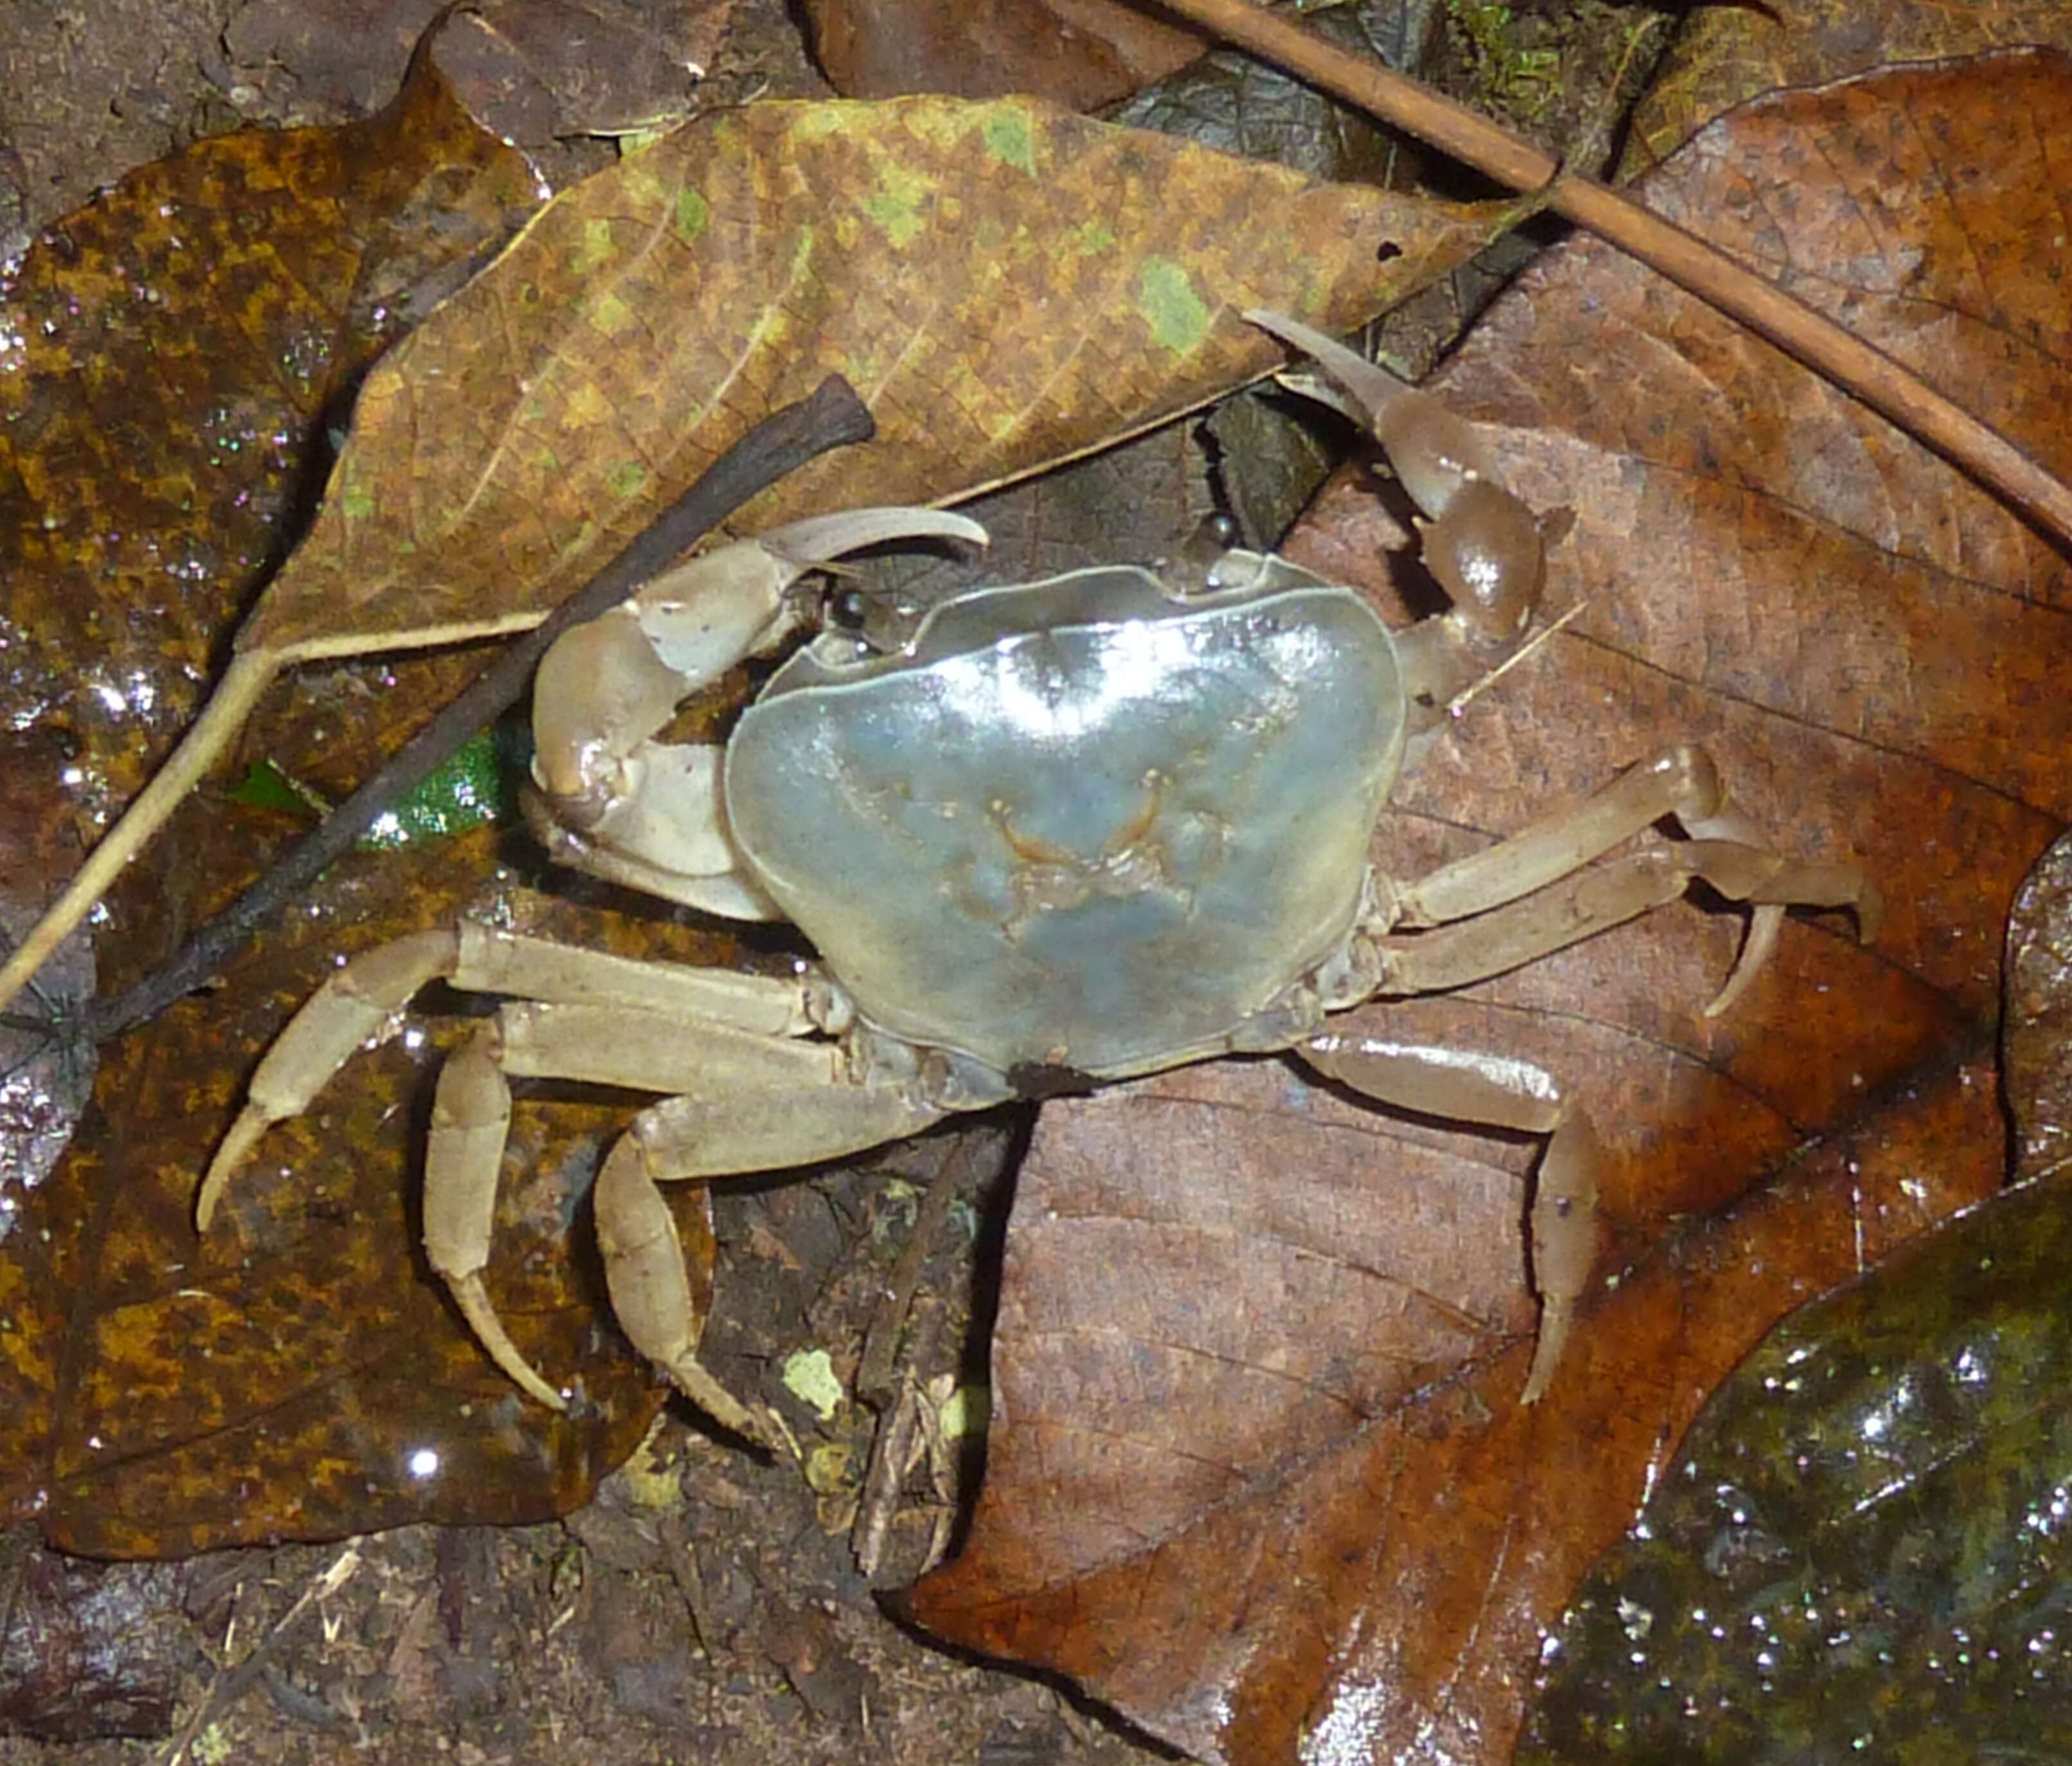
<point x="643" y="812"/>
<point x="1434" y="451"/>
<point x="605" y="688"/>
<point x="1485" y="546"/>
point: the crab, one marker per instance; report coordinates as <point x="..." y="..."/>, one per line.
<point x="1063" y="833"/>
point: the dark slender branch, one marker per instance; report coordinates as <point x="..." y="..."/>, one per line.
<point x="781" y="443"/>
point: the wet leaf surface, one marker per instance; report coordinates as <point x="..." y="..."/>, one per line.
<point x="1258" y="1474"/>
<point x="1860" y="1551"/>
<point x="1081" y="54"/>
<point x="298" y="1373"/>
<point x="163" y="1396"/>
<point x="2036" y="1050"/>
<point x="1006" y="286"/>
<point x="169" y="353"/>
<point x="89" y="1650"/>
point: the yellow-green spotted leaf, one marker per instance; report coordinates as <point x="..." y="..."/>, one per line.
<point x="1006" y="285"/>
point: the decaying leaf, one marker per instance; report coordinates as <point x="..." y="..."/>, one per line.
<point x="173" y="346"/>
<point x="1273" y="1345"/>
<point x="1148" y="498"/>
<point x="1007" y="285"/>
<point x="88" y="1651"/>
<point x="344" y="57"/>
<point x="1860" y="1549"/>
<point x="2036" y="1044"/>
<point x="1729" y="53"/>
<point x="169" y="351"/>
<point x="1081" y="54"/>
<point x="297" y="1372"/>
<point x="1227" y="100"/>
<point x="530" y="70"/>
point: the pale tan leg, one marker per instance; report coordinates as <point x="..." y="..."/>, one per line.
<point x="1505" y="938"/>
<point x="1464" y="1086"/>
<point x="1684" y="783"/>
<point x="690" y="1139"/>
<point x="470" y="1122"/>
<point x="349" y="1010"/>
<point x="752" y="1101"/>
<point x="354" y="1005"/>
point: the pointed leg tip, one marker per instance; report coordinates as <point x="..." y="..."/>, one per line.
<point x="230" y="1155"/>
<point x="1555" y="1314"/>
<point x="752" y="1423"/>
<point x="472" y="1298"/>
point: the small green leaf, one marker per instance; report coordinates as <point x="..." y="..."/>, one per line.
<point x="465" y="791"/>
<point x="265" y="787"/>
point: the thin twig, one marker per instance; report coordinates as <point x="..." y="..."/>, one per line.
<point x="1483" y="682"/>
<point x="231" y="1683"/>
<point x="782" y="443"/>
<point x="874" y="1383"/>
<point x="1858" y="368"/>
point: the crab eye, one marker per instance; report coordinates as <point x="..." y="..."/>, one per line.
<point x="847" y="609"/>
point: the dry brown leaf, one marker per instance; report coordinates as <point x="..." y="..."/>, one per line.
<point x="1728" y="53"/>
<point x="1081" y="54"/>
<point x="1258" y="1474"/>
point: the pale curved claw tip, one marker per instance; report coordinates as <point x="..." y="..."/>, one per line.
<point x="709" y="1396"/>
<point x="1369" y="383"/>
<point x="1757" y="948"/>
<point x="473" y="1299"/>
<point x="1555" y="1314"/>
<point x="820" y="538"/>
<point x="244" y="1135"/>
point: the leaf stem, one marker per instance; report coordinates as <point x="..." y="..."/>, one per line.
<point x="1858" y="368"/>
<point x="247" y="678"/>
<point x="832" y="416"/>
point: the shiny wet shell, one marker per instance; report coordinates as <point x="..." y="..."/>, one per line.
<point x="1081" y="822"/>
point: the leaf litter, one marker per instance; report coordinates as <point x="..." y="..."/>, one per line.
<point x="540" y="417"/>
<point x="1325" y="1517"/>
<point x="1723" y="1164"/>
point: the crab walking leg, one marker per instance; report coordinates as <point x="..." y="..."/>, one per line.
<point x="1684" y="783"/>
<point x="781" y="1116"/>
<point x="470" y="1122"/>
<point x="1497" y="1093"/>
<point x="1581" y="906"/>
<point x="770" y="1102"/>
<point x="355" y="1004"/>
